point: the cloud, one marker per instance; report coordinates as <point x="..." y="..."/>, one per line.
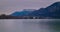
<point x="10" y="6"/>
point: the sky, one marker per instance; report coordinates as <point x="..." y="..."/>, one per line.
<point x="9" y="6"/>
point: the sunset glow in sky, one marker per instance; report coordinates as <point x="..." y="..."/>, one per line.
<point x="10" y="6"/>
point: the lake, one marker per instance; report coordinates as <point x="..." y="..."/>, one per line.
<point x="28" y="25"/>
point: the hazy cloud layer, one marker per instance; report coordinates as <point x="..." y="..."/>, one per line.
<point x="10" y="6"/>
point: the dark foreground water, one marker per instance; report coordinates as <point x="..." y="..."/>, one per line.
<point x="29" y="25"/>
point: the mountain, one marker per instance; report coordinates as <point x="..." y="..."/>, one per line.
<point x="52" y="11"/>
<point x="25" y="12"/>
<point x="37" y="12"/>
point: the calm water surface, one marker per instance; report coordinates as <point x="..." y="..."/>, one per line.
<point x="27" y="25"/>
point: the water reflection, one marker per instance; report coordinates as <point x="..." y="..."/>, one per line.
<point x="55" y="26"/>
<point x="30" y="25"/>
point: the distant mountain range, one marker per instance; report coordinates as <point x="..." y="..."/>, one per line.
<point x="25" y="12"/>
<point x="52" y="11"/>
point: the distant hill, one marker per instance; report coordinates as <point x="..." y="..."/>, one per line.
<point x="52" y="11"/>
<point x="25" y="12"/>
<point x="37" y="12"/>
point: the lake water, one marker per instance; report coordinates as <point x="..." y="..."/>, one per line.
<point x="27" y="25"/>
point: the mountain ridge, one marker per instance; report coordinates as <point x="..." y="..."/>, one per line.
<point x="52" y="11"/>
